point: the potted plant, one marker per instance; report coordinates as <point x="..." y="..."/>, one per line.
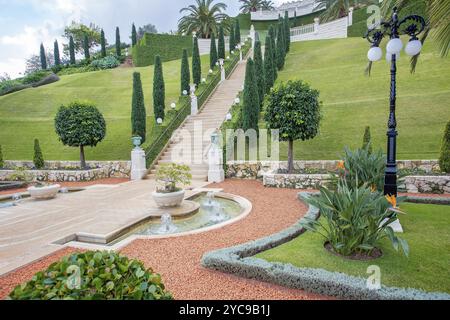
<point x="169" y="176"/>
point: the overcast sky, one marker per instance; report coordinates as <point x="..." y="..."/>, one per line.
<point x="24" y="24"/>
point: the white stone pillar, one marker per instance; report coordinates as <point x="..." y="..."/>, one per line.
<point x="138" y="165"/>
<point x="316" y="25"/>
<point x="216" y="173"/>
<point x="223" y="75"/>
<point x="350" y="16"/>
<point x="194" y="101"/>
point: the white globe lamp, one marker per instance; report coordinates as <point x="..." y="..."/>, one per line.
<point x="413" y="48"/>
<point x="375" y="54"/>
<point x="394" y="45"/>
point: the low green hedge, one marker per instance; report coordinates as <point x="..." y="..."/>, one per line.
<point x="35" y="79"/>
<point x="168" y="47"/>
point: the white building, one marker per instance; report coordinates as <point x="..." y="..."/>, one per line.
<point x="299" y="8"/>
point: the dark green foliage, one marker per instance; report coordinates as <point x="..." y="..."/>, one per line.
<point x="444" y="159"/>
<point x="2" y="162"/>
<point x="281" y="47"/>
<point x="38" y="158"/>
<point x="72" y="51"/>
<point x="138" y="112"/>
<point x="237" y="32"/>
<point x="213" y="53"/>
<point x="294" y="109"/>
<point x="221" y="44"/>
<point x="80" y="124"/>
<point x="103" y="43"/>
<point x="251" y="103"/>
<point x="94" y="276"/>
<point x="196" y="63"/>
<point x="167" y="46"/>
<point x="133" y="35"/>
<point x="43" y="58"/>
<point x="87" y="54"/>
<point x="268" y="65"/>
<point x="273" y="37"/>
<point x="159" y="90"/>
<point x="287" y="35"/>
<point x="367" y="141"/>
<point x="56" y="53"/>
<point x="233" y="42"/>
<point x="185" y="73"/>
<point x="118" y="47"/>
<point x="259" y="71"/>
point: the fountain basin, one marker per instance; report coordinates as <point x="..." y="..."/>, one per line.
<point x="168" y="200"/>
<point x="44" y="193"/>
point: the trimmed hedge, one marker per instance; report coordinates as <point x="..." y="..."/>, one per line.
<point x="168" y="47"/>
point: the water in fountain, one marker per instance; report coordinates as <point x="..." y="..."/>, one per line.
<point x="213" y="208"/>
<point x="64" y="190"/>
<point x="16" y="198"/>
<point x="167" y="225"/>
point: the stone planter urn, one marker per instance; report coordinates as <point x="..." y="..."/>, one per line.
<point x="168" y="200"/>
<point x="45" y="192"/>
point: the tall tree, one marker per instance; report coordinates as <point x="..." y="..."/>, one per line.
<point x="118" y="43"/>
<point x="72" y="51"/>
<point x="87" y="54"/>
<point x="196" y="63"/>
<point x="78" y="31"/>
<point x="43" y="58"/>
<point x="203" y="17"/>
<point x="133" y="35"/>
<point x="281" y="46"/>
<point x="259" y="72"/>
<point x="237" y="32"/>
<point x="273" y="38"/>
<point x="287" y="35"/>
<point x="159" y="90"/>
<point x="221" y="44"/>
<point x="254" y="5"/>
<point x="213" y="53"/>
<point x="148" y="28"/>
<point x="251" y="104"/>
<point x="138" y="112"/>
<point x="103" y="43"/>
<point x="185" y="72"/>
<point x="232" y="39"/>
<point x="444" y="159"/>
<point x="2" y="162"/>
<point x="268" y="65"/>
<point x="56" y="53"/>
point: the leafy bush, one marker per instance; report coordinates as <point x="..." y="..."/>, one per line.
<point x="11" y="86"/>
<point x="36" y="76"/>
<point x="93" y="276"/>
<point x="76" y="69"/>
<point x="109" y="62"/>
<point x="172" y="174"/>
<point x="444" y="159"/>
<point x="354" y="219"/>
<point x="38" y="158"/>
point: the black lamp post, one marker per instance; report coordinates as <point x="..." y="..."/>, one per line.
<point x="412" y="25"/>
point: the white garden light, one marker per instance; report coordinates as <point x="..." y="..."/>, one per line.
<point x="185" y="93"/>
<point x="375" y="54"/>
<point x="394" y="45"/>
<point x="159" y="121"/>
<point x="232" y="52"/>
<point x="203" y="80"/>
<point x="413" y="47"/>
<point x="237" y="101"/>
<point x="173" y="105"/>
<point x="210" y="71"/>
<point x="229" y="117"/>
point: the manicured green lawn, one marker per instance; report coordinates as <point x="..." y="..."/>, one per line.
<point x="29" y="114"/>
<point x="427" y="230"/>
<point x="352" y="101"/>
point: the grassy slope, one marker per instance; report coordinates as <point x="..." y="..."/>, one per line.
<point x="427" y="232"/>
<point x="29" y="114"/>
<point x="352" y="100"/>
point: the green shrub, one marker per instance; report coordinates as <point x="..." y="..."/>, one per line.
<point x="444" y="159"/>
<point x="274" y="52"/>
<point x="93" y="276"/>
<point x="43" y="57"/>
<point x="213" y="53"/>
<point x="138" y="112"/>
<point x="103" y="44"/>
<point x="2" y="162"/>
<point x="185" y="73"/>
<point x="56" y="53"/>
<point x="251" y="104"/>
<point x="133" y="35"/>
<point x="259" y="72"/>
<point x="354" y="219"/>
<point x="118" y="43"/>
<point x="268" y="65"/>
<point x="159" y="90"/>
<point x="221" y="44"/>
<point x="367" y="140"/>
<point x="11" y="86"/>
<point x="108" y="62"/>
<point x="196" y="63"/>
<point x="232" y="42"/>
<point x="281" y="46"/>
<point x="38" y="158"/>
<point x="35" y="76"/>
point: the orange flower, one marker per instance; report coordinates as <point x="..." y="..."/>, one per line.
<point x="373" y="188"/>
<point x="392" y="200"/>
<point x="341" y="165"/>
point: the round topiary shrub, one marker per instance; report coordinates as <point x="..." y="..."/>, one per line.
<point x="93" y="276"/>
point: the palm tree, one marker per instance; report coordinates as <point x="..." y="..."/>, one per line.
<point x="335" y="9"/>
<point x="203" y="17"/>
<point x="254" y="5"/>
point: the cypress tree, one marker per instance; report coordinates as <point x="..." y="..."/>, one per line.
<point x="287" y="35"/>
<point x="103" y="43"/>
<point x="213" y="53"/>
<point x="444" y="159"/>
<point x="251" y="105"/>
<point x="295" y="19"/>
<point x="159" y="90"/>
<point x="221" y="44"/>
<point x="72" y="51"/>
<point x="268" y="65"/>
<point x="281" y="46"/>
<point x="237" y="32"/>
<point x="43" y="58"/>
<point x="38" y="158"/>
<point x="196" y="64"/>
<point x="138" y="112"/>
<point x="259" y="72"/>
<point x="56" y="53"/>
<point x="367" y="140"/>
<point x="232" y="40"/>
<point x="2" y="162"/>
<point x="87" y="54"/>
<point x="274" y="52"/>
<point x="185" y="72"/>
<point x="118" y="49"/>
<point x="133" y="35"/>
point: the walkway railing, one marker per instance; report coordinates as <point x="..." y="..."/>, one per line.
<point x="309" y="28"/>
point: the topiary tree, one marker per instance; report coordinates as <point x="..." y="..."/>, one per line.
<point x="444" y="159"/>
<point x="56" y="53"/>
<point x="237" y="32"/>
<point x="103" y="43"/>
<point x="2" y="162"/>
<point x="87" y="54"/>
<point x="259" y="72"/>
<point x="268" y="65"/>
<point x="159" y="90"/>
<point x="185" y="72"/>
<point x="138" y="112"/>
<point x="287" y="28"/>
<point x="367" y="141"/>
<point x="43" y="58"/>
<point x="221" y="44"/>
<point x="196" y="63"/>
<point x="274" y="52"/>
<point x="213" y="53"/>
<point x="72" y="51"/>
<point x="80" y="124"/>
<point x="94" y="275"/>
<point x="294" y="109"/>
<point x="38" y="158"/>
<point x="133" y="35"/>
<point x="251" y="104"/>
<point x="118" y="48"/>
<point x="232" y="40"/>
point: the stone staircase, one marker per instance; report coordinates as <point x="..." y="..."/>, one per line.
<point x="190" y="143"/>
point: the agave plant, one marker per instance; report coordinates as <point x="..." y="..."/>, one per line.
<point x="255" y="5"/>
<point x="203" y="17"/>
<point x="354" y="219"/>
